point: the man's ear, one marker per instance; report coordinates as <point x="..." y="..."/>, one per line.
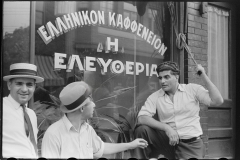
<point x="81" y="109"/>
<point x="9" y="85"/>
<point x="177" y="76"/>
<point x="35" y="86"/>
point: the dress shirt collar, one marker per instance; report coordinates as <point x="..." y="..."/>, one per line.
<point x="180" y="88"/>
<point x="68" y="124"/>
<point x="14" y="103"/>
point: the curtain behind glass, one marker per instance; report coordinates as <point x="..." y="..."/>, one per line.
<point x="218" y="49"/>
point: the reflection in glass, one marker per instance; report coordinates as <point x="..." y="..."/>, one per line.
<point x="118" y="96"/>
<point x="15" y="35"/>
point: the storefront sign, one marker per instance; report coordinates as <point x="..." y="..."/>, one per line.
<point x="105" y="65"/>
<point x="83" y="18"/>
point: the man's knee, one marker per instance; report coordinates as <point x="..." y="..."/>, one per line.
<point x="142" y="130"/>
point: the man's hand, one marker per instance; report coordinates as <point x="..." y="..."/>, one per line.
<point x="200" y="68"/>
<point x="139" y="142"/>
<point x="172" y="135"/>
<point x="112" y="148"/>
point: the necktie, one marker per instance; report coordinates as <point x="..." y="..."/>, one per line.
<point x="28" y="128"/>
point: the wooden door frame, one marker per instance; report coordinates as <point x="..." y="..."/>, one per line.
<point x="177" y="55"/>
<point x="237" y="143"/>
<point x="232" y="67"/>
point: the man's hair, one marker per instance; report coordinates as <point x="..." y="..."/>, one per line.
<point x="166" y="66"/>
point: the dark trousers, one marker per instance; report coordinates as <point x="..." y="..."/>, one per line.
<point x="158" y="143"/>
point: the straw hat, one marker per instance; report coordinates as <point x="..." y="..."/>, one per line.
<point x="74" y="96"/>
<point x="23" y="70"/>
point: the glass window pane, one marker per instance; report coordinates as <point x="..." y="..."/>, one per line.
<point x="121" y="76"/>
<point x="16" y="21"/>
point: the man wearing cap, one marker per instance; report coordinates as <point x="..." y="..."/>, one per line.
<point x="177" y="133"/>
<point x="19" y="134"/>
<point x="72" y="136"/>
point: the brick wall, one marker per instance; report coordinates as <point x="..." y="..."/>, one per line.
<point x="197" y="41"/>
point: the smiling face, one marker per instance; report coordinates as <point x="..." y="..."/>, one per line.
<point x="21" y="89"/>
<point x="168" y="81"/>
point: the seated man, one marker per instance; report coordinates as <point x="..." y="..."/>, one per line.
<point x="72" y="136"/>
<point x="177" y="134"/>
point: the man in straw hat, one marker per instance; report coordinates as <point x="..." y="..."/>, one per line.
<point x="177" y="133"/>
<point x="71" y="136"/>
<point x="19" y="134"/>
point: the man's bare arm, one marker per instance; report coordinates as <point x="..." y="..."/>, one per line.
<point x="215" y="95"/>
<point x="111" y="148"/>
<point x="170" y="132"/>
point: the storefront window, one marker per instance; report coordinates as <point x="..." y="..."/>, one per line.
<point x="115" y="47"/>
<point x="16" y="22"/>
<point x="121" y="76"/>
